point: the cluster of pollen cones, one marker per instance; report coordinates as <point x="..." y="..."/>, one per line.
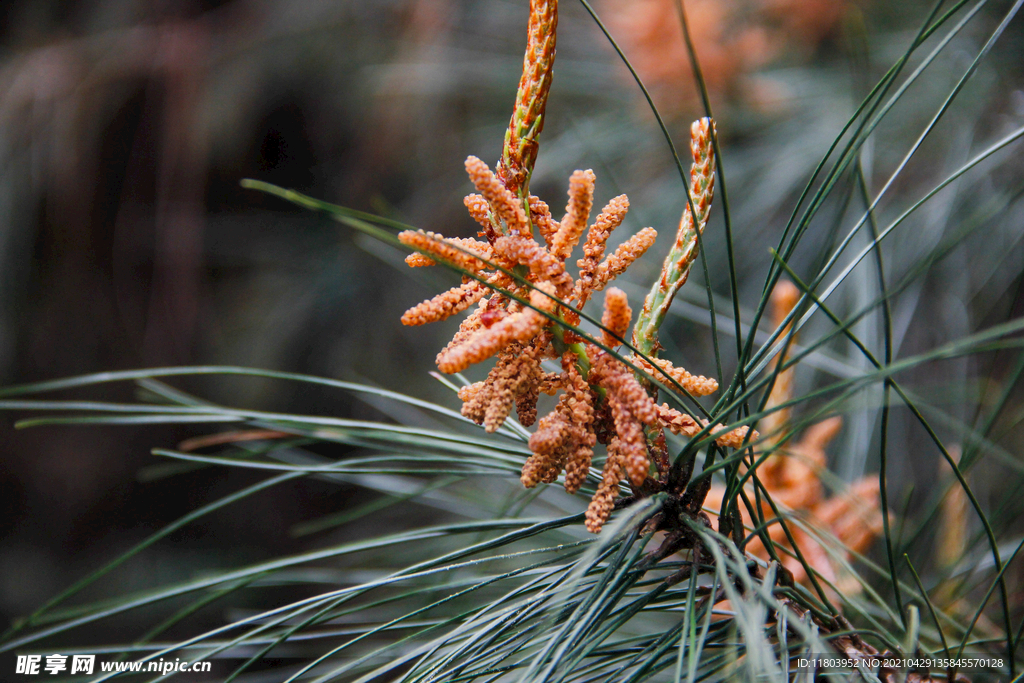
<point x="792" y="474"/>
<point x="601" y="399"/>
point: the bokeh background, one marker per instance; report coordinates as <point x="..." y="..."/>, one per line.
<point x="126" y="241"/>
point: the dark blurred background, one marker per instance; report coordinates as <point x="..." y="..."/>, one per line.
<point x="126" y="241"/>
